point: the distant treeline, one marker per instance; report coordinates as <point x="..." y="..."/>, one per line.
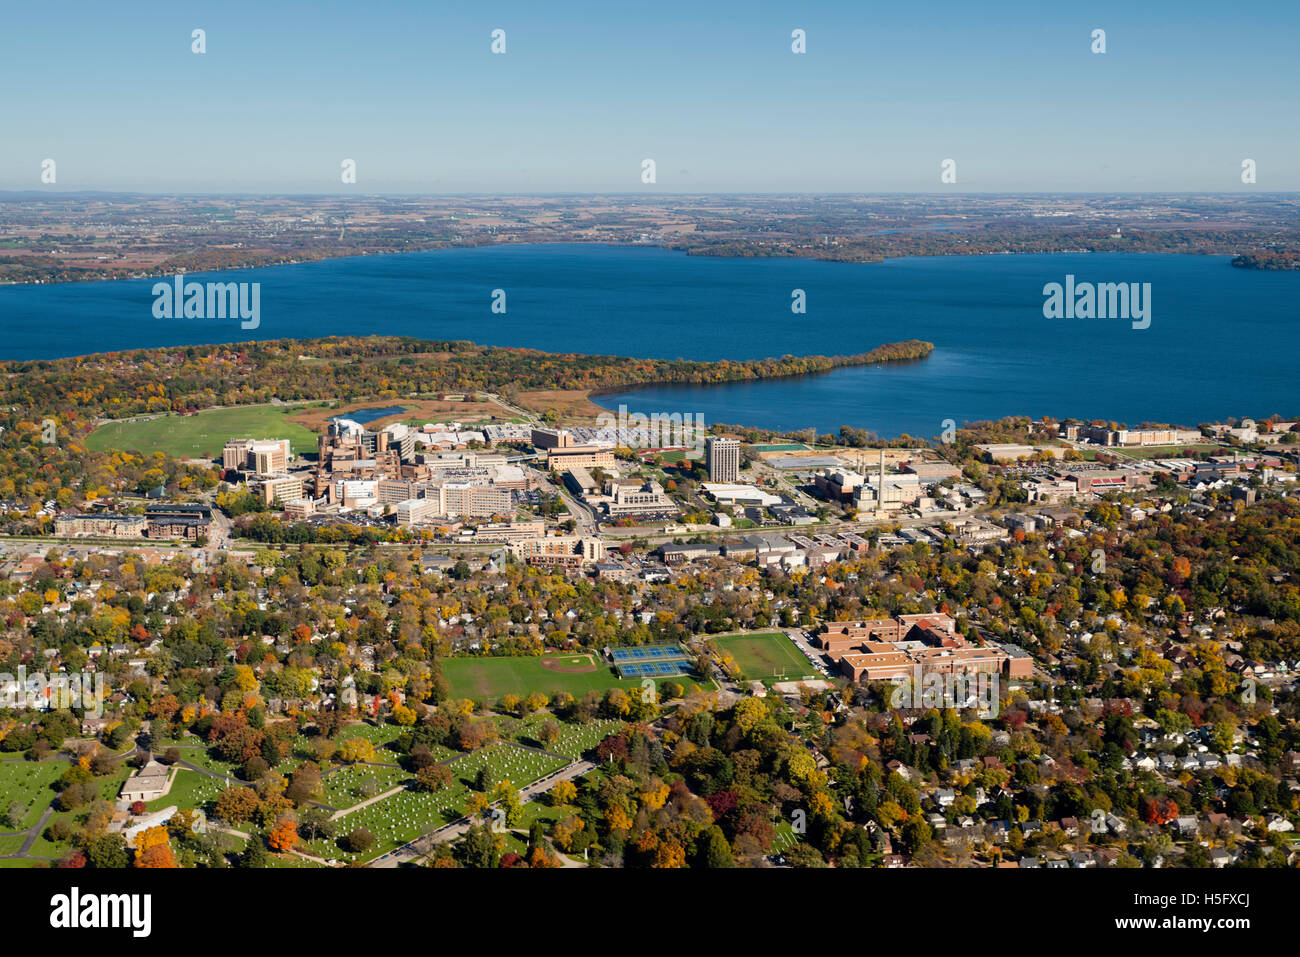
<point x="1268" y="259"/>
<point x="988" y="240"/>
<point x="186" y="378"/>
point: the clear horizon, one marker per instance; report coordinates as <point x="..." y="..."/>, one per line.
<point x="583" y="94"/>
<point x="575" y="194"/>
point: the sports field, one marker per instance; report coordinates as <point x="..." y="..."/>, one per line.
<point x="202" y="435"/>
<point x="782" y="447"/>
<point x="488" y="679"/>
<point x="764" y="657"/>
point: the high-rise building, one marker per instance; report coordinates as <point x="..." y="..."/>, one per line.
<point x="722" y="456"/>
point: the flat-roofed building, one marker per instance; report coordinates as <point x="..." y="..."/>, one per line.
<point x="579" y="456"/>
<point x="579" y="481"/>
<point x="693" y="552"/>
<point x="890" y="649"/>
<point x="303" y="508"/>
<point x="568" y="551"/>
<point x="413" y="511"/>
<point x="725" y="494"/>
<point x="544" y="439"/>
<point x="1093" y="480"/>
<point x="392" y="491"/>
<point x="1011" y="452"/>
<point x="506" y="532"/>
<point x="839" y="484"/>
<point x="645" y="499"/>
<point x="102" y="524"/>
<point x="898" y="491"/>
<point x="264" y="456"/>
<point x="1104" y="435"/>
<point x="508" y="477"/>
<point x="930" y="472"/>
<point x="278" y="489"/>
<point x="722" y="459"/>
<point x="178" y="511"/>
<point x="190" y="529"/>
<point x="475" y="501"/>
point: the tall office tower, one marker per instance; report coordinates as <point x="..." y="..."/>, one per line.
<point x="722" y="456"/>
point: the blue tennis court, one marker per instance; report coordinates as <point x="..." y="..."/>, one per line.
<point x="651" y="661"/>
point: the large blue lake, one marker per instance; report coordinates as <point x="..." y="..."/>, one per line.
<point x="1222" y="341"/>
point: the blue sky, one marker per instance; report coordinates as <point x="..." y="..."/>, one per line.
<point x="709" y="90"/>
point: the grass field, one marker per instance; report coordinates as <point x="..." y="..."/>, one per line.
<point x="203" y="435"/>
<point x="673" y="457"/>
<point x="404" y="816"/>
<point x="574" y="740"/>
<point x="349" y="786"/>
<point x="26" y="784"/>
<point x="765" y="657"/>
<point x="189" y="789"/>
<point x="491" y="678"/>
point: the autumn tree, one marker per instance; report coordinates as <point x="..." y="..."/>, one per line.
<point x="283" y="836"/>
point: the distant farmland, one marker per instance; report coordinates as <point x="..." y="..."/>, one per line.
<point x="202" y="435"/>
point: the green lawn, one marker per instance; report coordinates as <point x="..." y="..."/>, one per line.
<point x="190" y="789"/>
<point x="201" y="757"/>
<point x="204" y="434"/>
<point x="27" y="785"/>
<point x="765" y="657"/>
<point x="491" y="678"/>
<point x="349" y="786"/>
<point x="506" y="762"/>
<point x="404" y="816"/>
<point x="673" y="457"/>
<point x="378" y="735"/>
<point x="574" y="739"/>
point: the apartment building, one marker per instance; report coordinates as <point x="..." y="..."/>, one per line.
<point x="567" y="551"/>
<point x="190" y="529"/>
<point x="722" y="458"/>
<point x="103" y="525"/>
